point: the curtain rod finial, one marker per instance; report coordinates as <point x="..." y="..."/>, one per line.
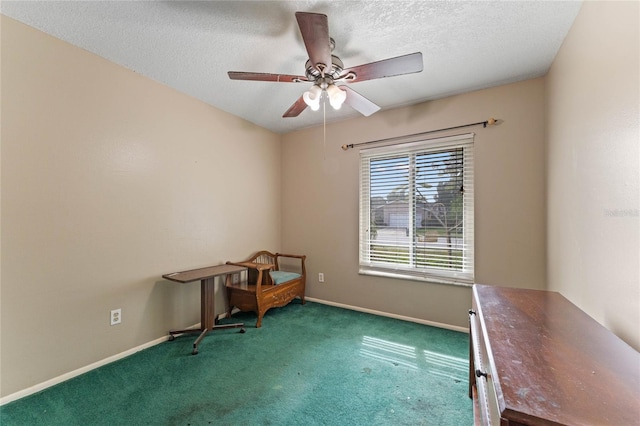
<point x="491" y="121"/>
<point x="345" y="147"/>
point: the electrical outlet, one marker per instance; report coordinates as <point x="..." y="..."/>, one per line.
<point x="116" y="316"/>
<point x="321" y="277"/>
<point x="235" y="278"/>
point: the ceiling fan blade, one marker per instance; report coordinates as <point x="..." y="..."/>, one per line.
<point x="314" y="28"/>
<point x="358" y="102"/>
<point x="259" y="76"/>
<point x="399" y="65"/>
<point x="296" y="108"/>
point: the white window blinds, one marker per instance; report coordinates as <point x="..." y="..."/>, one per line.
<point x="416" y="210"/>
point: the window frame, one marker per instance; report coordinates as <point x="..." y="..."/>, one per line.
<point x="411" y="149"/>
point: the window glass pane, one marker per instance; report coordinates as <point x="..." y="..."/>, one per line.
<point x="416" y="211"/>
<point x="389" y="200"/>
<point x="439" y="190"/>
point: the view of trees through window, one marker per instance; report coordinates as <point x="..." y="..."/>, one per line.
<point x="416" y="207"/>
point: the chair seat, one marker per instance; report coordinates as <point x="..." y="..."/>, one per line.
<point x="279" y="277"/>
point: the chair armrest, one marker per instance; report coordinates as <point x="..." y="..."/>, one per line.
<point x="261" y="268"/>
<point x="299" y="256"/>
<point x="302" y="258"/>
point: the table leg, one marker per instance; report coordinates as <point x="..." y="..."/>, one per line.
<point x="207" y="315"/>
<point x="207" y="303"/>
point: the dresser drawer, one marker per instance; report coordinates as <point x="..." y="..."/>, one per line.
<point x="481" y="384"/>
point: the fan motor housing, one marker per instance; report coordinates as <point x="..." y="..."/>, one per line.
<point x="313" y="74"/>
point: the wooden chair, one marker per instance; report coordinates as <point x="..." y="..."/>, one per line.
<point x="272" y="280"/>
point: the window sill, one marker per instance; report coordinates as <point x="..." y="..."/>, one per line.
<point x="401" y="276"/>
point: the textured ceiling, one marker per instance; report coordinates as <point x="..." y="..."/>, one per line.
<point x="190" y="46"/>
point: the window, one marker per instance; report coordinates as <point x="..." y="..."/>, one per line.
<point x="416" y="210"/>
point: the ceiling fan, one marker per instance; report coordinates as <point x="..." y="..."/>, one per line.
<point x="324" y="70"/>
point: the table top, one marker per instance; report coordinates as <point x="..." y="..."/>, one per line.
<point x="203" y="273"/>
<point x="555" y="362"/>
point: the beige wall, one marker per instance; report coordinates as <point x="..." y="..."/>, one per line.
<point x="110" y="180"/>
<point x="320" y="201"/>
<point x="594" y="167"/>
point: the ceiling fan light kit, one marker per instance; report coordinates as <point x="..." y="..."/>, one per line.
<point x="324" y="69"/>
<point x="313" y="96"/>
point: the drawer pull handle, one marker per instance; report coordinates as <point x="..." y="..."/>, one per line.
<point x="480" y="374"/>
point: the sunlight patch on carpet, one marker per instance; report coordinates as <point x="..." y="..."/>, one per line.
<point x="446" y="365"/>
<point x="384" y="350"/>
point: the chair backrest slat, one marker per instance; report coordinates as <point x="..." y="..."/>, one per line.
<point x="263" y="258"/>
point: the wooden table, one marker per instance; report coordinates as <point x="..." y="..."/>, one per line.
<point x="206" y="276"/>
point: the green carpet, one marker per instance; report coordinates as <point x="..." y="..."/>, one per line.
<point x="307" y="365"/>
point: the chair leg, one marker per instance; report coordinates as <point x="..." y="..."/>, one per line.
<point x="259" y="322"/>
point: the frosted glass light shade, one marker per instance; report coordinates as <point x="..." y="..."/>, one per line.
<point x="336" y="96"/>
<point x="312" y="97"/>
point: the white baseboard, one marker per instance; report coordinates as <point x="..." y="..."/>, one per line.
<point x="70" y="375"/>
<point x="389" y="315"/>
<point x="224" y="314"/>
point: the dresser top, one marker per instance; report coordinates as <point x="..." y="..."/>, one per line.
<point x="550" y="360"/>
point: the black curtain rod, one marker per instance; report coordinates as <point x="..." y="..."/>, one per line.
<point x="489" y="122"/>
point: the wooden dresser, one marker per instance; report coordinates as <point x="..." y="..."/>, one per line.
<point x="536" y="359"/>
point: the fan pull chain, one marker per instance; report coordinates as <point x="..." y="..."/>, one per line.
<point x="324" y="128"/>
